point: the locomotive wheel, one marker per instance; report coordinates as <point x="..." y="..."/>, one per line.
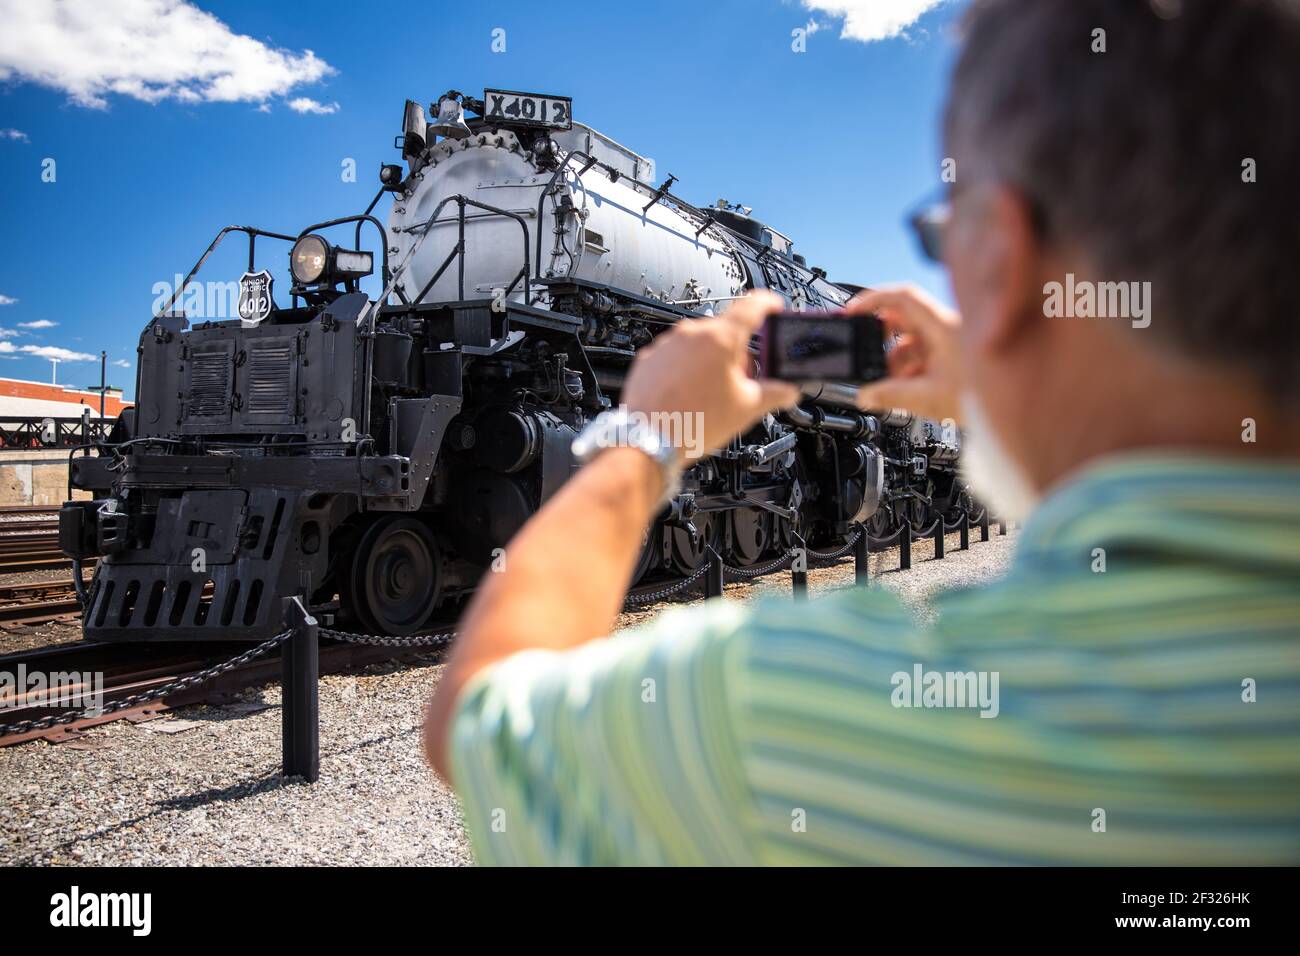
<point x="880" y="524"/>
<point x="917" y="513"/>
<point x="784" y="532"/>
<point x="394" y="584"/>
<point x="962" y="504"/>
<point x="686" y="551"/>
<point x="751" y="535"/>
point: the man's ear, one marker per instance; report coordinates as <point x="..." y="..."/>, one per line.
<point x="1008" y="263"/>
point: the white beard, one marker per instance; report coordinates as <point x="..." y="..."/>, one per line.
<point x="995" y="477"/>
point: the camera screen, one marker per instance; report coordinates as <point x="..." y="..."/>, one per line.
<point x="815" y="348"/>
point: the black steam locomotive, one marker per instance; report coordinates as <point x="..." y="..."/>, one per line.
<point x="372" y="456"/>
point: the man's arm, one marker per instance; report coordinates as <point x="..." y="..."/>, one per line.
<point x="563" y="584"/>
<point x="568" y="569"/>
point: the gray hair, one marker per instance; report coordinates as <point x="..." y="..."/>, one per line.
<point x="1138" y="156"/>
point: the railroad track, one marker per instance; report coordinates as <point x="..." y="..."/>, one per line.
<point x="132" y="669"/>
<point x="30" y="543"/>
<point x="38" y="602"/>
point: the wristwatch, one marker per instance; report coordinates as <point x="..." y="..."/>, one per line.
<point x="619" y="429"/>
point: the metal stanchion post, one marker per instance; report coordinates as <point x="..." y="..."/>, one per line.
<point x="862" y="558"/>
<point x="905" y="546"/>
<point x="938" y="538"/>
<point x="300" y="709"/>
<point x="799" y="573"/>
<point x="963" y="529"/>
<point x="713" y="577"/>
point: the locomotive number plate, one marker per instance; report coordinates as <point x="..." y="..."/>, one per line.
<point x="528" y="109"/>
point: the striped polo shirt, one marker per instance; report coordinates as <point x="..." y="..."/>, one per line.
<point x="1129" y="693"/>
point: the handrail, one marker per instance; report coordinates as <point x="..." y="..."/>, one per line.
<point x="360" y="220"/>
<point x="541" y="200"/>
<point x="252" y="232"/>
<point x="458" y="250"/>
<point x="424" y="229"/>
<point x="657" y="193"/>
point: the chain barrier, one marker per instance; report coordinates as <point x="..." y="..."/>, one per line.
<point x="928" y="532"/>
<point x="385" y="640"/>
<point x="776" y="565"/>
<point x="790" y="553"/>
<point x="888" y="541"/>
<point x="837" y="553"/>
<point x="135" y="700"/>
<point x="670" y="590"/>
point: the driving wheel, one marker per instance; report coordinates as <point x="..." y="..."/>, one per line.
<point x="687" y="550"/>
<point x="751" y="535"/>
<point x="394" y="580"/>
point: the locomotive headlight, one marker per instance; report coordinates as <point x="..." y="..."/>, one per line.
<point x="309" y="260"/>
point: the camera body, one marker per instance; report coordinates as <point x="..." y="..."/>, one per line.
<point x="822" y="347"/>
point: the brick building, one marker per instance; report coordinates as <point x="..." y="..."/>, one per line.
<point x="22" y="399"/>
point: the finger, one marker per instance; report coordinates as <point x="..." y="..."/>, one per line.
<point x="748" y="313"/>
<point x="912" y="394"/>
<point x="906" y="360"/>
<point x="773" y="394"/>
<point x="760" y="396"/>
<point x="903" y="308"/>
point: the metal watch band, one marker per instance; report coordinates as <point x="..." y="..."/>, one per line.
<point x="613" y="429"/>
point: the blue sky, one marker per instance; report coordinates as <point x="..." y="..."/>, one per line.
<point x="157" y="146"/>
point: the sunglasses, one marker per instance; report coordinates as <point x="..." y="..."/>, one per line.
<point x="929" y="223"/>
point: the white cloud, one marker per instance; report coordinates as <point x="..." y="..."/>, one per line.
<point x="122" y="363"/>
<point x="38" y="324"/>
<point x="149" y="50"/>
<point x="8" y="333"/>
<point x="7" y="300"/>
<point x="14" y="134"/>
<point x="869" y="20"/>
<point x="305" y="104"/>
<point x="49" y="352"/>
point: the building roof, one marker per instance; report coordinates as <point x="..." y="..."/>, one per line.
<point x="21" y="398"/>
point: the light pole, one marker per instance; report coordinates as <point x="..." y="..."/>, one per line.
<point x="54" y="371"/>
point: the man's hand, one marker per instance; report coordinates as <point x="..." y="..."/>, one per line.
<point x="702" y="365"/>
<point x="925" y="374"/>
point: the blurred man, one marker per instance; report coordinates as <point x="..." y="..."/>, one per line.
<point x="1121" y="238"/>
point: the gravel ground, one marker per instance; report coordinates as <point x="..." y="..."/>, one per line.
<point x="201" y="787"/>
<point x="25" y="637"/>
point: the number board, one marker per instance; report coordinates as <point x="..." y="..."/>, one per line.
<point x="528" y="109"/>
